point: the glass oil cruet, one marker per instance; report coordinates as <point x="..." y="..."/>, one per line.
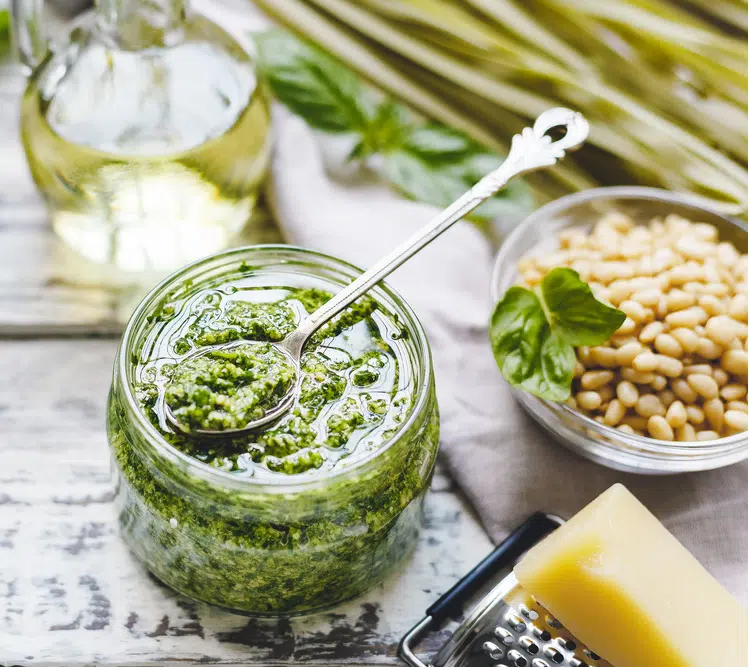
<point x="147" y="132"/>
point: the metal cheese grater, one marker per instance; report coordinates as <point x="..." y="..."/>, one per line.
<point x="508" y="628"/>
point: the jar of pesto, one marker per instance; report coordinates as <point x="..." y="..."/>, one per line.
<point x="310" y="511"/>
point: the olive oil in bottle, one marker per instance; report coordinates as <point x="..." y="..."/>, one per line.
<point x="148" y="135"/>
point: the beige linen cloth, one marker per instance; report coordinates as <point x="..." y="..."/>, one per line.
<point x="506" y="465"/>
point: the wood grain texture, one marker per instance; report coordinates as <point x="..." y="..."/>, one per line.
<point x="70" y="592"/>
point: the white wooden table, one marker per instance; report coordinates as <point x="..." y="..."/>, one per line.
<point x="70" y="592"/>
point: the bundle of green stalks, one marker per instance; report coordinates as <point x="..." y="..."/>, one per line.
<point x="663" y="84"/>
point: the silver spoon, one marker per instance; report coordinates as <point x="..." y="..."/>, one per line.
<point x="532" y="149"/>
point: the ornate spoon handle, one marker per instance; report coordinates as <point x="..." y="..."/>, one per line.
<point x="532" y="149"/>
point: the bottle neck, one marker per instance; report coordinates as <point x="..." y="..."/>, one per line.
<point x="139" y="24"/>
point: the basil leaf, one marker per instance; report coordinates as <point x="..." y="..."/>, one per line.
<point x="437" y="164"/>
<point x="439" y="143"/>
<point x="428" y="162"/>
<point x="533" y="334"/>
<point x="419" y="180"/>
<point x="573" y="311"/>
<point x="384" y="131"/>
<point x="553" y="381"/>
<point x="328" y="95"/>
<point x="4" y="31"/>
<point x="527" y="351"/>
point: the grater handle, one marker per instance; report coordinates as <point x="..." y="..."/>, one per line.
<point x="536" y="527"/>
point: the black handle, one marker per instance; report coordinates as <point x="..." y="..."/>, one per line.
<point x="536" y="527"/>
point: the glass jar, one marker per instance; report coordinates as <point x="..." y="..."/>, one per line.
<point x="146" y="131"/>
<point x="277" y="543"/>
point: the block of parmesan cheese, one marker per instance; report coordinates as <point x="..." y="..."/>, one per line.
<point x="623" y="585"/>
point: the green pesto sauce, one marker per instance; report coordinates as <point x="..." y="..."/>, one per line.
<point x="227" y="388"/>
<point x="244" y="548"/>
<point x="352" y="393"/>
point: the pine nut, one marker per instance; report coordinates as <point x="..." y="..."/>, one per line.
<point x="669" y="366"/>
<point x="650" y="331"/>
<point x="596" y="379"/>
<point x="711" y="304"/>
<point x="687" y="338"/>
<point x="668" y="345"/>
<point x="709" y="348"/>
<point x="659" y="428"/>
<point x="628" y="326"/>
<point x="733" y="392"/>
<point x="691" y="248"/>
<point x="606" y="393"/>
<point x="662" y="308"/>
<point x="638" y="377"/>
<point x="588" y="400"/>
<point x="714" y="410"/>
<point x="682" y="389"/>
<point x="722" y="329"/>
<point x="695" y="415"/>
<point x="676" y="415"/>
<point x="686" y="433"/>
<point x="738" y="421"/>
<point x="614" y="412"/>
<point x="627" y="393"/>
<point x="603" y="356"/>
<point x="734" y="361"/>
<point x="619" y="291"/>
<point x="626" y="354"/>
<point x="648" y="298"/>
<point x="704" y="385"/>
<point x="720" y="376"/>
<point x="676" y="300"/>
<point x="707" y="435"/>
<point x="740" y="406"/>
<point x="659" y="382"/>
<point x="683" y="318"/>
<point x="705" y="231"/>
<point x="649" y="405"/>
<point x="701" y="369"/>
<point x="645" y="362"/>
<point x="666" y="397"/>
<point x="583" y="355"/>
<point x="620" y="341"/>
<point x="638" y="423"/>
<point x="738" y="308"/>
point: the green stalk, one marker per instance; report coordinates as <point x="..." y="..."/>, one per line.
<point x="430" y="50"/>
<point x="513" y="98"/>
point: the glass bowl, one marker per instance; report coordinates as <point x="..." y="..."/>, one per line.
<point x="600" y="443"/>
<point x="271" y="544"/>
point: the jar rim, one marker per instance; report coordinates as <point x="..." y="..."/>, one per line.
<point x="290" y="483"/>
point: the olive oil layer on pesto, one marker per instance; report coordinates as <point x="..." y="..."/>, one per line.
<point x="349" y="399"/>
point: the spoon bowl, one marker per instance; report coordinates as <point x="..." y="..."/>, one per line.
<point x="288" y="348"/>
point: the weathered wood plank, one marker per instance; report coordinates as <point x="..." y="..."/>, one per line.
<point x="70" y="592"/>
<point x="47" y="289"/>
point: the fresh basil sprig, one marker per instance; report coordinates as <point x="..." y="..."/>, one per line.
<point x="533" y="333"/>
<point x="427" y="162"/>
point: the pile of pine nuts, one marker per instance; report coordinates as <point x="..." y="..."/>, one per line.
<point x="677" y="368"/>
